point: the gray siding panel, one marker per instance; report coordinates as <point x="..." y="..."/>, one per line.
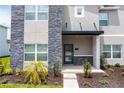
<point x="17" y="36"/>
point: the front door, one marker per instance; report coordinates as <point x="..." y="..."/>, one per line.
<point x="68" y="53"/>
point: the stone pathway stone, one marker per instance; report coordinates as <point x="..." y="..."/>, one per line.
<point x="70" y="80"/>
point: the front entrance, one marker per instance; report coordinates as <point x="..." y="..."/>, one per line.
<point x="68" y="53"/>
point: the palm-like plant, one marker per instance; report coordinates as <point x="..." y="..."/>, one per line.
<point x="87" y="69"/>
<point x="34" y="70"/>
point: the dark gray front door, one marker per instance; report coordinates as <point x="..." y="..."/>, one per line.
<point x="68" y="53"/>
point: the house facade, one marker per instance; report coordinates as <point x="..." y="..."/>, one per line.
<point x="4" y="48"/>
<point x="69" y="34"/>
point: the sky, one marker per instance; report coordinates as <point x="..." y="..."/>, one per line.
<point x="5" y="17"/>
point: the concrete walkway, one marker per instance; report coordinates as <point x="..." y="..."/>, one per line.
<point x="70" y="80"/>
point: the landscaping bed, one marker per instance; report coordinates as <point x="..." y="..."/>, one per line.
<point x="100" y="80"/>
<point x="19" y="81"/>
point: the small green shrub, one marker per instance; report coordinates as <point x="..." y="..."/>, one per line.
<point x="122" y="73"/>
<point x="18" y="71"/>
<point x="87" y="69"/>
<point x="109" y="66"/>
<point x="87" y="84"/>
<point x="104" y="82"/>
<point x="56" y="69"/>
<point x="122" y="69"/>
<point x="110" y="70"/>
<point x="1" y="68"/>
<point x="17" y="81"/>
<point x="4" y="81"/>
<point x="34" y="72"/>
<point x="117" y="65"/>
<point x="103" y="62"/>
<point x="8" y="71"/>
<point x="105" y="75"/>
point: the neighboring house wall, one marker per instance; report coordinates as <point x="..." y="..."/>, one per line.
<point x="17" y="36"/>
<point x="91" y="15"/>
<point x="4" y="48"/>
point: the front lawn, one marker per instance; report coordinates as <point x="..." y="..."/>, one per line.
<point x="112" y="79"/>
<point x="28" y="86"/>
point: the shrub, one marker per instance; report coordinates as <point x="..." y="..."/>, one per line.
<point x="109" y="66"/>
<point x="17" y="81"/>
<point x="105" y="75"/>
<point x="122" y="73"/>
<point x="87" y="84"/>
<point x="56" y="67"/>
<point x="32" y="77"/>
<point x="4" y="81"/>
<point x="110" y="70"/>
<point x="7" y="69"/>
<point x="117" y="65"/>
<point x="34" y="71"/>
<point x="122" y="69"/>
<point x="18" y="71"/>
<point x="87" y="69"/>
<point x="103" y="62"/>
<point x="1" y="68"/>
<point x="104" y="82"/>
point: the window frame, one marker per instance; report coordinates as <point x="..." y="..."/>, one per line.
<point x="36" y="52"/>
<point x="111" y="58"/>
<point x="76" y="12"/>
<point x="36" y="14"/>
<point x="104" y="20"/>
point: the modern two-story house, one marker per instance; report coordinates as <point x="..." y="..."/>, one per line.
<point x="69" y="33"/>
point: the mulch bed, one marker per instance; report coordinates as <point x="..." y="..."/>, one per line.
<point x="51" y="80"/>
<point x="116" y="80"/>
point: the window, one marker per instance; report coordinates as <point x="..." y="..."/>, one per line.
<point x="29" y="52"/>
<point x="79" y="11"/>
<point x="36" y="52"/>
<point x="112" y="51"/>
<point x="33" y="12"/>
<point x="42" y="52"/>
<point x="103" y="19"/>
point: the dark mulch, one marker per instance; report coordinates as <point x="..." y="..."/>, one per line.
<point x="51" y="80"/>
<point x="115" y="79"/>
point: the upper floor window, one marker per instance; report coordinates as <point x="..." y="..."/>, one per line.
<point x="103" y="19"/>
<point x="79" y="11"/>
<point x="33" y="12"/>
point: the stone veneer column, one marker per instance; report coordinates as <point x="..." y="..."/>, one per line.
<point x="17" y="36"/>
<point x="55" y="35"/>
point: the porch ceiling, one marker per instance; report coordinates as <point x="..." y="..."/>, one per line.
<point x="82" y="32"/>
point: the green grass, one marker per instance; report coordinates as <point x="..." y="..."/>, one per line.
<point x="28" y="86"/>
<point x="5" y="59"/>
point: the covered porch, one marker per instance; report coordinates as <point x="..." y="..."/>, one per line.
<point x="77" y="47"/>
